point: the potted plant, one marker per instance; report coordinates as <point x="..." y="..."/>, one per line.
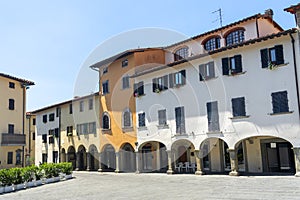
<point x="17" y="178"/>
<point x="28" y="176"/>
<point x="67" y="169"/>
<point x="6" y="180"/>
<point x="157" y="90"/>
<point x="2" y="184"/>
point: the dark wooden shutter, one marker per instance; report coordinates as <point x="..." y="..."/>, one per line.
<point x="154" y="85"/>
<point x="165" y="82"/>
<point x="279" y="54"/>
<point x="283" y="102"/>
<point x="141" y="88"/>
<point x="238" y="107"/>
<point x="211" y="69"/>
<point x="213" y="116"/>
<point x="171" y="80"/>
<point x="178" y="119"/>
<point x="276" y="102"/>
<point x="183" y="77"/>
<point x="202" y="72"/>
<point x="142" y="119"/>
<point x="225" y="66"/>
<point x="238" y="63"/>
<point x="135" y="87"/>
<point x="264" y="54"/>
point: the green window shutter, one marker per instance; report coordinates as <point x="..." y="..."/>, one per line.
<point x="264" y="54"/>
<point x="279" y="54"/>
<point x="183" y="76"/>
<point x="171" y="80"/>
<point x="238" y="63"/>
<point x="225" y="66"/>
<point x="154" y="85"/>
<point x="202" y="72"/>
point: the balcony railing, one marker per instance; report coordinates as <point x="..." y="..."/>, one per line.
<point x="9" y="139"/>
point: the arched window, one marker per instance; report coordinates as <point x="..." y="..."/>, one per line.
<point x="181" y="53"/>
<point x="105" y="121"/>
<point x="127" y="118"/>
<point x="212" y="44"/>
<point x="234" y="37"/>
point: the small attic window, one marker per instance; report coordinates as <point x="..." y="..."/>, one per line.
<point x="236" y="36"/>
<point x="181" y="53"/>
<point x="212" y="44"/>
<point x="125" y="63"/>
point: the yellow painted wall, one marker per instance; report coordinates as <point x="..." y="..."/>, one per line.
<point x="10" y="117"/>
<point x="30" y="146"/>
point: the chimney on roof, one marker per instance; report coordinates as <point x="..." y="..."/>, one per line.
<point x="269" y="13"/>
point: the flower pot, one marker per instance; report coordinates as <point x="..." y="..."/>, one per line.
<point x="1" y="189"/>
<point x="49" y="180"/>
<point x="8" y="188"/>
<point x="30" y="184"/>
<point x="62" y="176"/>
<point x="56" y="179"/>
<point x="38" y="183"/>
<point x="69" y="176"/>
<point x="20" y="186"/>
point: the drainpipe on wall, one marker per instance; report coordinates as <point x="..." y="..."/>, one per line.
<point x="59" y="137"/>
<point x="296" y="73"/>
<point x="23" y="121"/>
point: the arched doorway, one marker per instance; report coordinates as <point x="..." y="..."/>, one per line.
<point x="154" y="157"/>
<point x="71" y="156"/>
<point x="268" y="155"/>
<point x="81" y="156"/>
<point x="127" y="157"/>
<point x="215" y="156"/>
<point x="93" y="158"/>
<point x="108" y="158"/>
<point x="184" y="156"/>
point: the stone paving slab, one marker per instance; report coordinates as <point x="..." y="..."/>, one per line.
<point x="94" y="185"/>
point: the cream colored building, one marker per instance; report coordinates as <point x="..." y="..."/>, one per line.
<point x="68" y="131"/>
<point x="12" y="123"/>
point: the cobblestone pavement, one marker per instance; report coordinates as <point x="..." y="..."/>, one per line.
<point x="94" y="185"/>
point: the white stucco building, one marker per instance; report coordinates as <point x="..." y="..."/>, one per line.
<point x="226" y="100"/>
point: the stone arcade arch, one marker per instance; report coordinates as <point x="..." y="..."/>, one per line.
<point x="71" y="156"/>
<point x="81" y="158"/>
<point x="108" y="158"/>
<point x="92" y="158"/>
<point x="127" y="158"/>
<point x="153" y="157"/>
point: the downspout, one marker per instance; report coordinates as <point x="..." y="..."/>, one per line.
<point x="23" y="121"/>
<point x="296" y="73"/>
<point x="257" y="29"/>
<point x="29" y="133"/>
<point x="59" y="132"/>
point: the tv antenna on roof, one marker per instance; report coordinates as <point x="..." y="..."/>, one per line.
<point x="220" y="18"/>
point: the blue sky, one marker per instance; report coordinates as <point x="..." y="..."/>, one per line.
<point x="51" y="42"/>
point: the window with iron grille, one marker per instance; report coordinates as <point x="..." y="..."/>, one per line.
<point x="235" y="37"/>
<point x="212" y="44"/>
<point x="181" y="53"/>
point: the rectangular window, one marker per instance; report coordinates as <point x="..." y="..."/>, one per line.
<point x="81" y="106"/>
<point x="69" y="130"/>
<point x="11" y="104"/>
<point x="142" y="122"/>
<point x="232" y="65"/>
<point x="33" y="136"/>
<point x="51" y="117"/>
<point x="105" y="70"/>
<point x="105" y="87"/>
<point x="55" y="156"/>
<point x="51" y="140"/>
<point x="33" y="121"/>
<point x="160" y="84"/>
<point x="138" y="89"/>
<point x="162" y="117"/>
<point x="272" y="56"/>
<point x="125" y="63"/>
<point x="177" y="79"/>
<point x="92" y="128"/>
<point x="213" y="116"/>
<point x="180" y="120"/>
<point x="44" y="118"/>
<point x="238" y="107"/>
<point x="56" y="132"/>
<point x="125" y="82"/>
<point x="11" y="85"/>
<point x="280" y="102"/>
<point x="44" y="158"/>
<point x="11" y="128"/>
<point x="206" y="71"/>
<point x="91" y="104"/>
<point x="9" y="158"/>
<point x="70" y="108"/>
<point x="44" y="138"/>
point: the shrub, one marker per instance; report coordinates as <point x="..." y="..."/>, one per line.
<point x="66" y="168"/>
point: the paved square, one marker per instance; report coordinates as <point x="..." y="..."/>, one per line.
<point x="94" y="185"/>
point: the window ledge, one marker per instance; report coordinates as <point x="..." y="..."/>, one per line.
<point x="276" y="66"/>
<point x="239" y="117"/>
<point x="142" y="128"/>
<point x="181" y="135"/>
<point x="214" y="132"/>
<point x="236" y="74"/>
<point x="281" y="113"/>
<point x="165" y="126"/>
<point x="139" y="96"/>
<point x="127" y="129"/>
<point x="210" y="78"/>
<point x="106" y="131"/>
